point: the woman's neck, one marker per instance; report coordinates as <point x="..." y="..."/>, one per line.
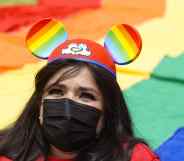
<point x="61" y="154"/>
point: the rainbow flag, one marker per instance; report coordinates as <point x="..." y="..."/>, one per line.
<point x="152" y="85"/>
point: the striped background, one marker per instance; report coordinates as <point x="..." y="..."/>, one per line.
<point x="162" y="32"/>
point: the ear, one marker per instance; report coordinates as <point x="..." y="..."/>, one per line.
<point x="124" y="43"/>
<point x="44" y="36"/>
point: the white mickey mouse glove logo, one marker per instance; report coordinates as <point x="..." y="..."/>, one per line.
<point x="77" y="49"/>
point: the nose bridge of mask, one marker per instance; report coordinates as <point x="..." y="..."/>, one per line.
<point x="80" y="112"/>
<point x="72" y="110"/>
<point x="57" y="108"/>
<point x="68" y="109"/>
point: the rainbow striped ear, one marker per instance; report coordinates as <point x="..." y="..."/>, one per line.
<point x="45" y="36"/>
<point x="124" y="43"/>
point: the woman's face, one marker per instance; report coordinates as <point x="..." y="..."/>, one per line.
<point x="81" y="88"/>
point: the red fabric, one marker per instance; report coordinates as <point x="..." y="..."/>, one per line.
<point x="142" y="153"/>
<point x="76" y="3"/>
<point x="4" y="159"/>
<point x="51" y="158"/>
<point x="98" y="54"/>
<point x="16" y="16"/>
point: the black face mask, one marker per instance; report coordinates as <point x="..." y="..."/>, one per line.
<point x="68" y="125"/>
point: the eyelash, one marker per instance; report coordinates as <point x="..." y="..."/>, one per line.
<point x="82" y="95"/>
<point x="55" y="91"/>
<point x="87" y="95"/>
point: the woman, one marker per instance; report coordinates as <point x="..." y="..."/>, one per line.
<point x="77" y="111"/>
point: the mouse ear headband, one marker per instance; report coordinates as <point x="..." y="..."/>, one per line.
<point x="47" y="39"/>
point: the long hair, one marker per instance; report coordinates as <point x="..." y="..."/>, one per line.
<point x="24" y="141"/>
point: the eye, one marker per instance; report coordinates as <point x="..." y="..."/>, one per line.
<point x="88" y="96"/>
<point x="56" y="92"/>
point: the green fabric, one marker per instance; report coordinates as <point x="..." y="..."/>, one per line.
<point x="157" y="104"/>
<point x="16" y="2"/>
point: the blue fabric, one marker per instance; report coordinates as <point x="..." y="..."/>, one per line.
<point x="173" y="148"/>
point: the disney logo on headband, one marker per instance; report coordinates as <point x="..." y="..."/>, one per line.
<point x="77" y="49"/>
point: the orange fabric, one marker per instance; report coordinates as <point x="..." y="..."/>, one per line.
<point x="94" y="24"/>
<point x="13" y="53"/>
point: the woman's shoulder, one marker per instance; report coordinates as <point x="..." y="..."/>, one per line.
<point x="144" y="153"/>
<point x="2" y="158"/>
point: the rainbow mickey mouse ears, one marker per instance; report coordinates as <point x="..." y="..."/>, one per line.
<point x="47" y="39"/>
<point x="124" y="43"/>
<point x="45" y="36"/>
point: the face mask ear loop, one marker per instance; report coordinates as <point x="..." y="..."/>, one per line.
<point x="98" y="130"/>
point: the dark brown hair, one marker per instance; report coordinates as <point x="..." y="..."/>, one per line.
<point x="23" y="141"/>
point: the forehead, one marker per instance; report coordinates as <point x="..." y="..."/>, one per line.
<point x="72" y="77"/>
